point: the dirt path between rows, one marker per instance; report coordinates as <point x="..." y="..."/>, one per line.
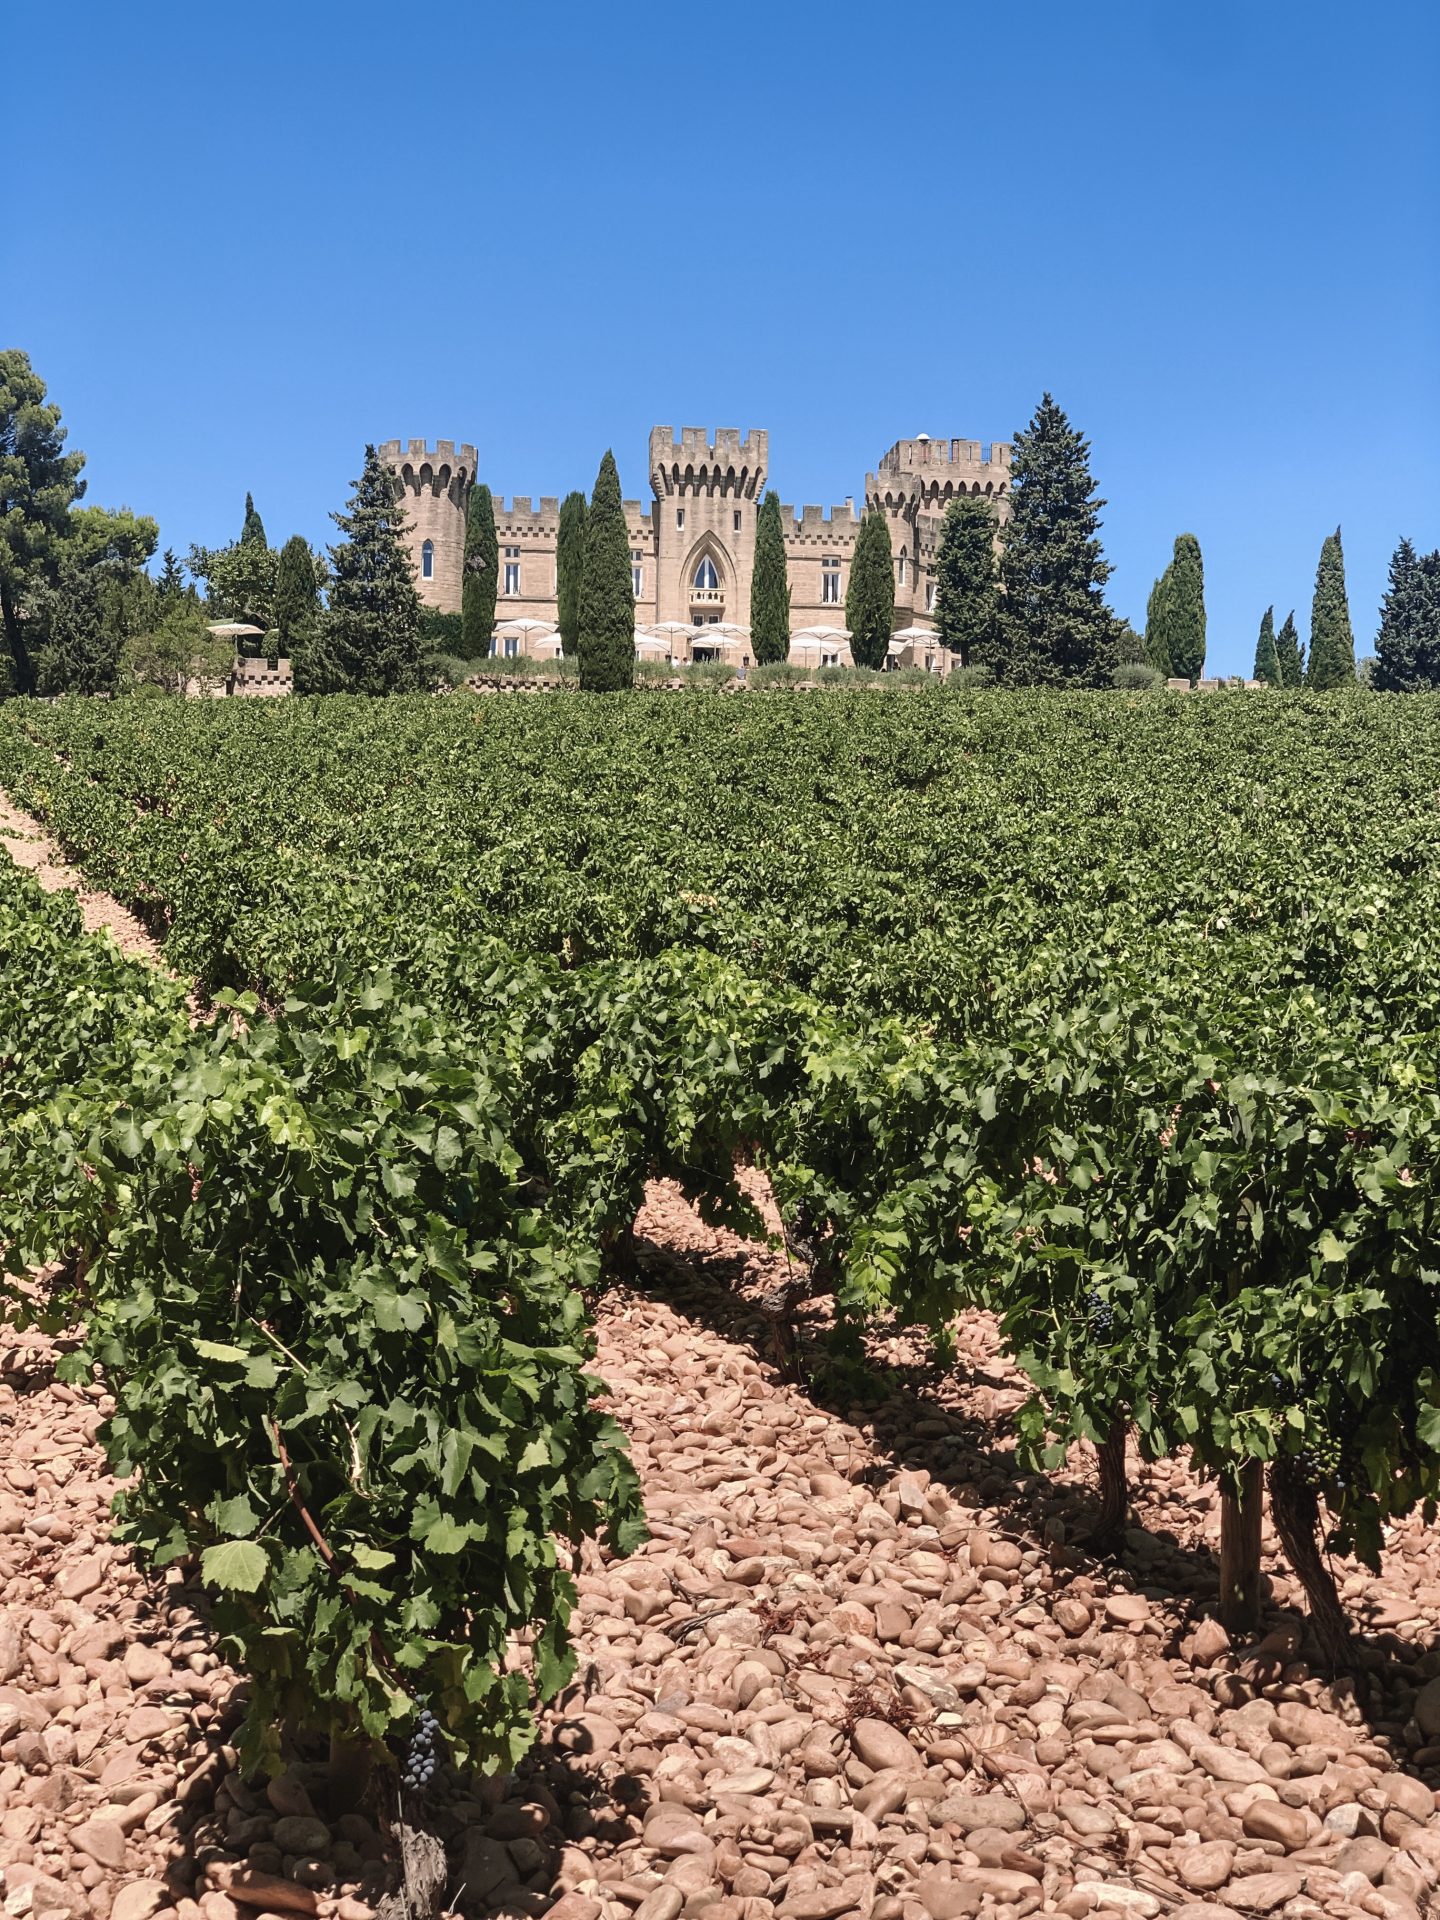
<point x="862" y="1668"/>
<point x="29" y="846"/>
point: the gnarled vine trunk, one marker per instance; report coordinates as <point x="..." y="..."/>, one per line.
<point x="1114" y="1488"/>
<point x="1295" y="1508"/>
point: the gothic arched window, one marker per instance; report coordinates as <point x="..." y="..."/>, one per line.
<point x="706" y="577"/>
<point x="427" y="561"/>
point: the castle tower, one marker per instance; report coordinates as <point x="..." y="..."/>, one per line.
<point x="917" y="480"/>
<point x="707" y="496"/>
<point x="435" y="491"/>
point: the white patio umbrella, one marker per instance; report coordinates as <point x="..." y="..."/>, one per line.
<point x="820" y="633"/>
<point x="669" y="629"/>
<point x="650" y="646"/>
<point x="810" y="645"/>
<point x="524" y="629"/>
<point x="232" y="629"/>
<point x="549" y="646"/>
<point x="915" y="633"/>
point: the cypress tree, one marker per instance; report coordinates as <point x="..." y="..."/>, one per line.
<point x="1157" y="626"/>
<point x="482" y="575"/>
<point x="252" y="534"/>
<point x="1332" y="642"/>
<point x="297" y="598"/>
<point x="1056" y="629"/>
<point x="967" y="601"/>
<point x="770" y="587"/>
<point x="1186" y="609"/>
<point x="369" y="641"/>
<point x="570" y="569"/>
<point x="607" y="598"/>
<point x="870" y="598"/>
<point x="1287" y="650"/>
<point x="1267" y="659"/>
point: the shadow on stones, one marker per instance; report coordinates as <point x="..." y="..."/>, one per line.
<point x="912" y="1429"/>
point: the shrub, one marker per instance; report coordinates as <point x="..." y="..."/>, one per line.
<point x="1136" y="677"/>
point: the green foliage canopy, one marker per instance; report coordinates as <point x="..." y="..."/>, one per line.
<point x="770" y="587"/>
<point x="607" y="599"/>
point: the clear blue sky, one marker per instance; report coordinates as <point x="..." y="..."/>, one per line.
<point x="242" y="241"/>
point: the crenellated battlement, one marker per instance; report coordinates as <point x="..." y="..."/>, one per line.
<point x="923" y="455"/>
<point x="689" y="459"/>
<point x="521" y="516"/>
<point x="815" y="523"/>
<point x="417" y="454"/>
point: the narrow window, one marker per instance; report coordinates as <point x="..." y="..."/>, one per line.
<point x="830" y="581"/>
<point x="706" y="578"/>
<point x="679" y="516"/>
<point x="902" y="566"/>
<point x="512" y="647"/>
<point x="929" y="596"/>
<point x="512" y="577"/>
<point x="737" y="520"/>
<point x="637" y="574"/>
<point x="427" y="561"/>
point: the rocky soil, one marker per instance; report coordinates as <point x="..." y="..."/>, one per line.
<point x="861" y="1668"/>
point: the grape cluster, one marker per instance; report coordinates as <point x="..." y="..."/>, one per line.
<point x="1102" y="1314"/>
<point x="422" y="1753"/>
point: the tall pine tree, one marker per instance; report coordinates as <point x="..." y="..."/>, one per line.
<point x="38" y="483"/>
<point x="1267" y="659"/>
<point x="870" y="598"/>
<point x="1289" y="654"/>
<point x="607" y="596"/>
<point x="1332" y="641"/>
<point x="297" y="598"/>
<point x="482" y="575"/>
<point x="1407" y="647"/>
<point x="252" y="534"/>
<point x="770" y="587"/>
<point x="170" y="587"/>
<point x="570" y="569"/>
<point x="1056" y="629"/>
<point x="967" y="601"/>
<point x="369" y="640"/>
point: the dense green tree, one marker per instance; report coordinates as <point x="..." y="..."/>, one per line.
<point x="1157" y="626"/>
<point x="77" y="647"/>
<point x="570" y="569"/>
<point x="170" y="587"/>
<point x="39" y="482"/>
<point x="967" y="578"/>
<point x="297" y="596"/>
<point x="252" y="533"/>
<point x="607" y="597"/>
<point x="1289" y="654"/>
<point x="1175" y="616"/>
<point x="1267" y="659"/>
<point x="770" y="587"/>
<point x="178" y="649"/>
<point x="239" y="583"/>
<point x="1332" y="641"/>
<point x="870" y="597"/>
<point x="1407" y="647"/>
<point x="1129" y="646"/>
<point x="482" y="575"/>
<point x="368" y="641"/>
<point x="1056" y="629"/>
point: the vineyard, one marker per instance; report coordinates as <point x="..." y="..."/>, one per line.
<point x="1115" y="1021"/>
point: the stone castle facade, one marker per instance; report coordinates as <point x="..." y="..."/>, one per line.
<point x="692" y="547"/>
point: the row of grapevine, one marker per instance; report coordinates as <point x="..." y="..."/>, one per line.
<point x="1016" y="1007"/>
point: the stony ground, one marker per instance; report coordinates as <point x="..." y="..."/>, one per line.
<point x="860" y="1669"/>
<point x="863" y="1667"/>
